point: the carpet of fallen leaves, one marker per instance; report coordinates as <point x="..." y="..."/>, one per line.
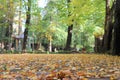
<point x="59" y="67"/>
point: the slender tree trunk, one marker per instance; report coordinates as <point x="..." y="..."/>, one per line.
<point x="69" y="35"/>
<point x="28" y="17"/>
<point x="9" y="20"/>
<point x="50" y="46"/>
<point x="50" y="40"/>
<point x="116" y="35"/>
<point x="18" y="45"/>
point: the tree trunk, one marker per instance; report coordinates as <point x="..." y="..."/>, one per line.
<point x="98" y="45"/>
<point x="18" y="44"/>
<point x="8" y="36"/>
<point x="28" y="17"/>
<point x="69" y="35"/>
<point x="9" y="20"/>
<point x="116" y="35"/>
<point x="107" y="38"/>
<point x="50" y="46"/>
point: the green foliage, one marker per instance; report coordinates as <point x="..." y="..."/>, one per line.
<point x="50" y="23"/>
<point x="85" y="15"/>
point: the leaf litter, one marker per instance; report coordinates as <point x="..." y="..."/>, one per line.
<point x="59" y="67"/>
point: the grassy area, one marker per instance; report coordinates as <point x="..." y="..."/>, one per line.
<point x="59" y="66"/>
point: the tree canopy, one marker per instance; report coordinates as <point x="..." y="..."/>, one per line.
<point x="76" y="24"/>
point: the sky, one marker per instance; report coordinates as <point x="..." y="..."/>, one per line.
<point x="42" y="3"/>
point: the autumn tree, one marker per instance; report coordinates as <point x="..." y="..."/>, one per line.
<point x="28" y="17"/>
<point x="116" y="30"/>
<point x="69" y="32"/>
<point x="9" y="19"/>
<point x="108" y="26"/>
